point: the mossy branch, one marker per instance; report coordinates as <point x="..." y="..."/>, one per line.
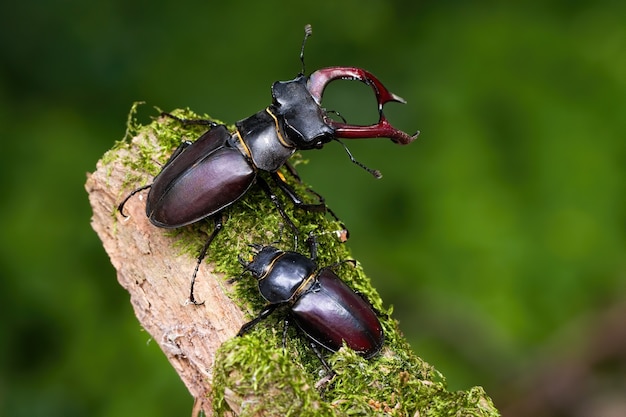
<point x="250" y="375"/>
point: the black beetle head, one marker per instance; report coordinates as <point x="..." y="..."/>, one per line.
<point x="262" y="261"/>
<point x="304" y="121"/>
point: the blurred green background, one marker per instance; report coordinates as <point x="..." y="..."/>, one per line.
<point x="499" y="235"/>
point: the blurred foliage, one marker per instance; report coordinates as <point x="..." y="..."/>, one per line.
<point x="501" y="225"/>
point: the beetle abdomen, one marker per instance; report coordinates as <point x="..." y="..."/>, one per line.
<point x="331" y="313"/>
<point x="208" y="186"/>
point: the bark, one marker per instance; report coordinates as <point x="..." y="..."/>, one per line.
<point x="157" y="279"/>
<point x="252" y="375"/>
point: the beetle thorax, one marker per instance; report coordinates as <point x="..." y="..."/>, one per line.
<point x="305" y="123"/>
<point x="260" y="137"/>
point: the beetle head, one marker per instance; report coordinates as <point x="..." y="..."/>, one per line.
<point x="304" y="121"/>
<point x="262" y="260"/>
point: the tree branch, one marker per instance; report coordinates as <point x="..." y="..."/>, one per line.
<point x="251" y="375"/>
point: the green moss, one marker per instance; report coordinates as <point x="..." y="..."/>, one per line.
<point x="249" y="366"/>
<point x="252" y="374"/>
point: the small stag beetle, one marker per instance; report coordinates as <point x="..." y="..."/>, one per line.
<point x="203" y="178"/>
<point x="322" y="306"/>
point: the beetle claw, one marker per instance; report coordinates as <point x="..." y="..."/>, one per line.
<point x="383" y="129"/>
<point x="321" y="78"/>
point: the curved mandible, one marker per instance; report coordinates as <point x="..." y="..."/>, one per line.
<point x="318" y="81"/>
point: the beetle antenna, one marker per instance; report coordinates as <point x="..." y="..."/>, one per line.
<point x="376" y="173"/>
<point x="308" y="31"/>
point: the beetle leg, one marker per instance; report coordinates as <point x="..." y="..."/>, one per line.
<point x="269" y="309"/>
<point x="284" y="215"/>
<point x="321" y="78"/>
<point x="313" y="345"/>
<point x="345" y="261"/>
<point x="311" y="242"/>
<point x="187" y="122"/>
<point x="285" y="328"/>
<point x="295" y="198"/>
<point x="120" y="207"/>
<point x="176" y="153"/>
<point x="297" y="201"/>
<point x="321" y="358"/>
<point x="343" y="234"/>
<point x="218" y="226"/>
<point x="180" y="149"/>
<point x="292" y="170"/>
